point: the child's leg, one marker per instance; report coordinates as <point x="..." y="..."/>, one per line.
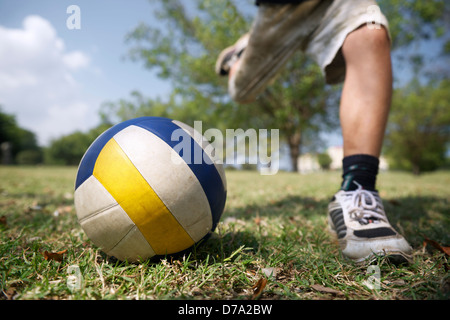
<point x="366" y="95"/>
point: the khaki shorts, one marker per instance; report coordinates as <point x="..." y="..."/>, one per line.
<point x="315" y="27"/>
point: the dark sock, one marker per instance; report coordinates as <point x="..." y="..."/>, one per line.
<point x="361" y="168"/>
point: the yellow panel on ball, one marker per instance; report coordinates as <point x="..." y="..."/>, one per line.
<point x="124" y="182"/>
<point x="173" y="181"/>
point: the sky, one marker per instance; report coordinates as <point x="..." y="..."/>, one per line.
<point x="54" y="79"/>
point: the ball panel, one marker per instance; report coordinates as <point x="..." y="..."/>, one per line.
<point x="123" y="181"/>
<point x="173" y="181"/>
<point x="206" y="174"/>
<point x="98" y="227"/>
<point x="132" y="247"/>
<point x="87" y="163"/>
<point x="91" y="198"/>
<point x="204" y="144"/>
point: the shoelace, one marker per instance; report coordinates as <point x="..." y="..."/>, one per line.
<point x="363" y="206"/>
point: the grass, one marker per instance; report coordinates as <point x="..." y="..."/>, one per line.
<point x="273" y="228"/>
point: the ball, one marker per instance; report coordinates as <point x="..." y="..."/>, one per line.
<point x="147" y="187"/>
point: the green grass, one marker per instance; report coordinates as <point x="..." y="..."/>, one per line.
<point x="271" y="224"/>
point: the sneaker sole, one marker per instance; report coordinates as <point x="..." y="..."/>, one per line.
<point x="394" y="257"/>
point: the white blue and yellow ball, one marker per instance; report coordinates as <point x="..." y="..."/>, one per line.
<point x="134" y="201"/>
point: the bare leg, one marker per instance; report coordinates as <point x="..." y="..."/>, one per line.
<point x="366" y="95"/>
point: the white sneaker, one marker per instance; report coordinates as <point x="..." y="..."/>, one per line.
<point x="358" y="220"/>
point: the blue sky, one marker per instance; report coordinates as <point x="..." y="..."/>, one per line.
<point x="54" y="79"/>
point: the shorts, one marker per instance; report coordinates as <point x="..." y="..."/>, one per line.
<point x="318" y="28"/>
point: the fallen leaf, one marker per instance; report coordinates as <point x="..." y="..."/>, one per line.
<point x="436" y="245"/>
<point x="10" y="293"/>
<point x="57" y="256"/>
<point x="233" y="220"/>
<point x="323" y="289"/>
<point x="394" y="202"/>
<point x="258" y="288"/>
<point x="270" y="272"/>
<point x="68" y="195"/>
<point x="3" y="221"/>
<point x="62" y="210"/>
<point x="35" y="206"/>
<point x="32" y="239"/>
<point x="398" y="282"/>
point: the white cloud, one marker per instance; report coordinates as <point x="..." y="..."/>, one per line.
<point x="76" y="60"/>
<point x="37" y="80"/>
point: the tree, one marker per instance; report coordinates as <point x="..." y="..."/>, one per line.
<point x="69" y="149"/>
<point x="299" y="104"/>
<point x="19" y="145"/>
<point x="419" y="129"/>
<point x="414" y="22"/>
<point x="324" y="160"/>
<point x="183" y="49"/>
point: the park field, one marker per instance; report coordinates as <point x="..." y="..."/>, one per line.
<point x="271" y="244"/>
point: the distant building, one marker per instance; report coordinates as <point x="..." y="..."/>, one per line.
<point x="336" y="153"/>
<point x="308" y="162"/>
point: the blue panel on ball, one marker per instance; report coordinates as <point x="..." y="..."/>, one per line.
<point x="206" y="172"/>
<point x="90" y="157"/>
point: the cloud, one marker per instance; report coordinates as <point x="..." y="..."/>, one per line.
<point x="38" y="80"/>
<point x="76" y="60"/>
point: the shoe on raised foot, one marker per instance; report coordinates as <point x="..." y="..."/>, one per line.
<point x="230" y="55"/>
<point x="358" y="220"/>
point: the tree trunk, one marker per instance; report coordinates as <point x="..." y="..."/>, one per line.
<point x="294" y="141"/>
<point x="416" y="169"/>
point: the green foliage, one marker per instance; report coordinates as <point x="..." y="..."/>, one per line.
<point x="419" y="124"/>
<point x="29" y="157"/>
<point x="8" y="127"/>
<point x="299" y="104"/>
<point x="419" y="129"/>
<point x="324" y="160"/>
<point x="138" y="106"/>
<point x="414" y="20"/>
<point x="22" y="144"/>
<point x="69" y="149"/>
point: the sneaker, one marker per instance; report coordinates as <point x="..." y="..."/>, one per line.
<point x="358" y="220"/>
<point x="277" y="32"/>
<point x="230" y="55"/>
